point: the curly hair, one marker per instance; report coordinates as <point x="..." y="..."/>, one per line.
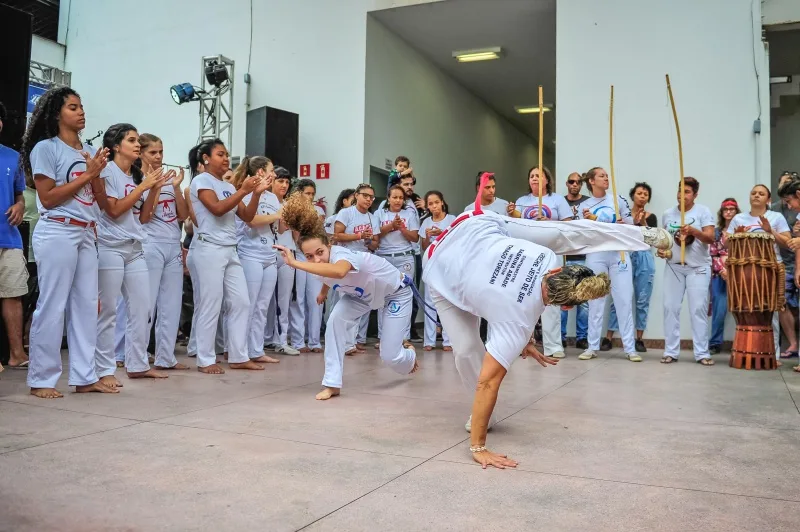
<point x="301" y="216"/>
<point x="642" y="185"/>
<point x="343" y="195"/>
<point x="576" y="284"/>
<point x="43" y="124"/>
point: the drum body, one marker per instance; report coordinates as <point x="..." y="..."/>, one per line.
<point x="755" y="291"/>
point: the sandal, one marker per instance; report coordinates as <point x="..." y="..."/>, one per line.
<point x="668" y="359"/>
<point x="789" y="354"/>
<point x="706" y="362"/>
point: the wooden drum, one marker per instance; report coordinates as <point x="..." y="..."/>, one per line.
<point x="756" y="290"/>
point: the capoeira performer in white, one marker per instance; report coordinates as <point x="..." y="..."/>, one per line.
<point x="496" y="268"/>
<point x="366" y="281"/>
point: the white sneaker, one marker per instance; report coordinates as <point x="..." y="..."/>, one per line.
<point x="657" y="237"/>
<point x="468" y="424"/>
<point x="287" y="350"/>
<point x="559" y="354"/>
<point x="587" y="355"/>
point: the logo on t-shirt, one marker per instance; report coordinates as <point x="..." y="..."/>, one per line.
<point x="532" y="212"/>
<point x="227" y="193"/>
<point x="85" y="195"/>
<point x="137" y="207"/>
<point x="604" y="213"/>
<point x="165" y="208"/>
<point x="675" y="227"/>
<point x="361" y="228"/>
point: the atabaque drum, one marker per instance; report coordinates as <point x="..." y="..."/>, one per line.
<point x="756" y="290"/>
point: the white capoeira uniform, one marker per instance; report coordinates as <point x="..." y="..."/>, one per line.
<point x="372" y="284"/>
<point x="430" y="323"/>
<point x="691" y="278"/>
<point x="554" y="207"/>
<point x="259" y="263"/>
<point x="396" y="249"/>
<point x="489" y="266"/>
<point x="218" y="280"/>
<point x="277" y="331"/>
<point x="65" y="248"/>
<point x="355" y="222"/>
<point x="122" y="271"/>
<point x="305" y="316"/>
<point x="619" y="270"/>
<point x="752" y="225"/>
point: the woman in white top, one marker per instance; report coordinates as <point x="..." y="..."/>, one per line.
<point x="431" y="228"/>
<point x="346" y="199"/>
<point x="217" y="275"/>
<point x="305" y="310"/>
<point x="258" y="257"/>
<point x="66" y="173"/>
<point x="399" y="230"/>
<point x="366" y="282"/>
<point x="554" y="207"/>
<point x="762" y="219"/>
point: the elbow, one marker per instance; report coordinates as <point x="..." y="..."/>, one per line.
<point x="47" y="203"/>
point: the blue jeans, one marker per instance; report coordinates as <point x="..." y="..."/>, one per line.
<point x="644" y="270"/>
<point x="581" y="316"/>
<point x="719" y="309"/>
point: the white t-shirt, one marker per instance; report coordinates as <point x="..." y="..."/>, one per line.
<point x="329" y="223"/>
<point x="256" y="242"/>
<point x="370" y="280"/>
<point x="164" y="226"/>
<point x="603" y="208"/>
<point x="698" y="216"/>
<point x="478" y="268"/>
<point x="410" y="205"/>
<point x="752" y="225"/>
<point x="442" y="224"/>
<point x="53" y="158"/>
<point x="111" y="231"/>
<point x="394" y="241"/>
<point x="220" y="230"/>
<point x="555" y="207"/>
<point x="499" y="206"/>
<point x="355" y="222"/>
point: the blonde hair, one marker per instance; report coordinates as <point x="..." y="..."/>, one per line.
<point x="299" y="214"/>
<point x="249" y="166"/>
<point x="576" y="284"/>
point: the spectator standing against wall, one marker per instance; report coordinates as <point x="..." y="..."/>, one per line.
<point x="786" y="316"/>
<point x="719" y="274"/>
<point x="574" y="198"/>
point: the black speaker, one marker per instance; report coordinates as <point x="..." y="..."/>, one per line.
<point x="273" y="133"/>
<point x="16" y="30"/>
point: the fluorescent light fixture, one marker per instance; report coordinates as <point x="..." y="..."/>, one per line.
<point x="781" y="79"/>
<point x="484" y="54"/>
<point x="531" y="109"/>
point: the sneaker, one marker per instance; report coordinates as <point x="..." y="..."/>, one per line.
<point x="714" y="349"/>
<point x="271" y="347"/>
<point x="587" y="355"/>
<point x="605" y="344"/>
<point x="633" y="357"/>
<point x="287" y="350"/>
<point x="640" y="348"/>
<point x="657" y="237"/>
<point x="558" y="354"/>
<point x="583" y="343"/>
<point x="468" y="425"/>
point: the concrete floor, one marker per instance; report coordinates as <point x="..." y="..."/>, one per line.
<point x="603" y="445"/>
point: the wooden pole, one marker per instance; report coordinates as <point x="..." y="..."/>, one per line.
<point x="680" y="162"/>
<point x="541" y="148"/>
<point x="611" y="162"/>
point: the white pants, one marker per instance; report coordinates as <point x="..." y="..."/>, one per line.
<point x="277" y="327"/>
<point x="305" y="316"/>
<point x="119" y="330"/>
<point x="694" y="282"/>
<point x="339" y="333"/>
<point x="122" y="270"/>
<point x="219" y="286"/>
<point x="66" y="261"/>
<point x="404" y="263"/>
<point x="621" y="274"/>
<point x="430" y="325"/>
<point x="578" y="237"/>
<point x="165" y="265"/>
<point x="261" y="279"/>
<point x="551" y="330"/>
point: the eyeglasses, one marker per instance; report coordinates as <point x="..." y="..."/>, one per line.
<point x="729" y="209"/>
<point x="368" y="196"/>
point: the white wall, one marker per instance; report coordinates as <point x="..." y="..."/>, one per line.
<point x="780" y="11"/>
<point x="448" y="133"/>
<point x="632" y="44"/>
<point x="47" y="52"/>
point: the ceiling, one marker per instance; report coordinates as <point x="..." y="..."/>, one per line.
<point x="525" y="29"/>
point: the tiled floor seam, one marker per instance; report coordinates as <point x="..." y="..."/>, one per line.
<point x="73" y="437"/>
<point x="790" y="392"/>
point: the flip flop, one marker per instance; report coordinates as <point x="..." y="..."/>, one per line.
<point x="706" y="362"/>
<point x="24" y="365"/>
<point x="789" y="354"/>
<point x="668" y="360"/>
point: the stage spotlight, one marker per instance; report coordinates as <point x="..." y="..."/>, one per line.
<point x="216" y="74"/>
<point x="182" y="93"/>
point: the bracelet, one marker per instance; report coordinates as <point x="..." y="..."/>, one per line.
<point x="478" y="449"/>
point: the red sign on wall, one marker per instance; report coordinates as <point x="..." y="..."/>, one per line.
<point x="324" y="171"/>
<point x="305" y="170"/>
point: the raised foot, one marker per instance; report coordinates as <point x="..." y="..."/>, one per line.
<point x="250" y="364"/>
<point x="111" y="381"/>
<point x="176" y="366"/>
<point x="327" y="393"/>
<point x="149" y="374"/>
<point x="97" y="387"/>
<point x="264" y="359"/>
<point x="415" y="368"/>
<point x="46" y="393"/>
<point x="213" y="369"/>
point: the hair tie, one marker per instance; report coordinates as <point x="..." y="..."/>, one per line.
<point x="730" y="203"/>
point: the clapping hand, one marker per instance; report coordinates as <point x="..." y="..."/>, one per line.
<point x="510" y="208"/>
<point x="95" y="165"/>
<point x="177" y="179"/>
<point x="765" y="225"/>
<point x="397" y="223"/>
<point x="153" y="178"/>
<point x="250" y="183"/>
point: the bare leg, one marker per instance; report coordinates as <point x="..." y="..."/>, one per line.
<point x="787" y="325"/>
<point x="12" y="316"/>
<point x="489" y="380"/>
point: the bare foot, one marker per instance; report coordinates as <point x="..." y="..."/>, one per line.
<point x="111" y="381"/>
<point x="46" y="393"/>
<point x="447" y="348"/>
<point x="428" y="348"/>
<point x="317" y="350"/>
<point x="264" y="359"/>
<point x="415" y="368"/>
<point x="327" y="393"/>
<point x="97" y="387"/>
<point x="225" y="355"/>
<point x="149" y="374"/>
<point x="250" y="364"/>
<point x="213" y="369"/>
<point x="304" y="350"/>
<point x="151" y="359"/>
<point x="1" y="367"/>
<point x="362" y="347"/>
<point x="120" y="364"/>
<point x="18" y="360"/>
<point x="351" y="352"/>
<point x="176" y="366"/>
